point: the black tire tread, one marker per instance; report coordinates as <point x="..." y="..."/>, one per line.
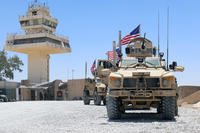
<point x="97" y="98"/>
<point x="176" y="107"/>
<point x="86" y="98"/>
<point x="104" y="101"/>
<point x="113" y="110"/>
<point x="168" y="108"/>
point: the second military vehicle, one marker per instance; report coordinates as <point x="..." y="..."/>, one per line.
<point x="96" y="88"/>
<point x="142" y="81"/>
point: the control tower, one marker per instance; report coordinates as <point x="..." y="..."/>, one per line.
<point x="38" y="41"/>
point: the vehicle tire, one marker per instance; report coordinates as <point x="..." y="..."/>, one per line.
<point x="86" y="97"/>
<point x="159" y="109"/>
<point x="168" y="108"/>
<point x="104" y="101"/>
<point x="176" y="108"/>
<point x="113" y="108"/>
<point x="97" y="98"/>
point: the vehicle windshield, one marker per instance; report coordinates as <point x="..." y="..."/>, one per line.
<point x="152" y="62"/>
<point x="149" y="62"/>
<point x="129" y="62"/>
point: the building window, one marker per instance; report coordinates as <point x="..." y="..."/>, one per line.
<point x="34" y="13"/>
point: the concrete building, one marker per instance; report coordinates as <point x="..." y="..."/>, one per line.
<point x="38" y="42"/>
<point x="45" y="91"/>
<point x="73" y="89"/>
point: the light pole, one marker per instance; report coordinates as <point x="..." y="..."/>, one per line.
<point x="68" y="74"/>
<point x="72" y="77"/>
<point x="72" y="74"/>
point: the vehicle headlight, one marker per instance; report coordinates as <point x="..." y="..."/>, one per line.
<point x="116" y="82"/>
<point x="167" y="81"/>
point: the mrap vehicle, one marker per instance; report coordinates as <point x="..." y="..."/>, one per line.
<point x="95" y="89"/>
<point x="142" y="81"/>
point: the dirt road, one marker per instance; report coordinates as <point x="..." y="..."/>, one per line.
<point x="73" y="116"/>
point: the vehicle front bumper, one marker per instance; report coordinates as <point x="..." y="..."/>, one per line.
<point x="141" y="95"/>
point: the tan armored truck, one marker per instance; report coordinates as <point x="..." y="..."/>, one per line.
<point x="95" y="89"/>
<point x="142" y="81"/>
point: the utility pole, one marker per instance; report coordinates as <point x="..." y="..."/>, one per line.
<point x="68" y="74"/>
<point x="72" y="78"/>
<point x="72" y="74"/>
<point x="85" y="70"/>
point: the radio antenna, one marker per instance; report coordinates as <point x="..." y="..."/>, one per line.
<point x="158" y="32"/>
<point x="168" y="38"/>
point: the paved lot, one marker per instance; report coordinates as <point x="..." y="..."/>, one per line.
<point x="73" y="116"/>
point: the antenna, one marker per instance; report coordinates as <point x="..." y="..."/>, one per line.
<point x="120" y="36"/>
<point x="158" y="32"/>
<point x="168" y="38"/>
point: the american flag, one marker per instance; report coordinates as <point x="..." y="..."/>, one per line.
<point x="110" y="55"/>
<point x="135" y="33"/>
<point x="92" y="69"/>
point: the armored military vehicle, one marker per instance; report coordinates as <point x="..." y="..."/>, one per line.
<point x="96" y="88"/>
<point x="142" y="80"/>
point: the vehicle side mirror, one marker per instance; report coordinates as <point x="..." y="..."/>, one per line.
<point x="176" y="68"/>
<point x="173" y="65"/>
<point x="127" y="50"/>
<point x="161" y="54"/>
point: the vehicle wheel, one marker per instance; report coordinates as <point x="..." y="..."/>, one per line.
<point x="97" y="98"/>
<point x="159" y="109"/>
<point x="104" y="101"/>
<point x="113" y="108"/>
<point x="168" y="108"/>
<point x="176" y="108"/>
<point x="86" y="97"/>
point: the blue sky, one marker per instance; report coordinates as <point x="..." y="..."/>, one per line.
<point x="92" y="25"/>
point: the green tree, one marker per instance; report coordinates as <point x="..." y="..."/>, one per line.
<point x="8" y="65"/>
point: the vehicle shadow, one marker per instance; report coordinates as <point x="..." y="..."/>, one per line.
<point x="97" y="105"/>
<point x="141" y="117"/>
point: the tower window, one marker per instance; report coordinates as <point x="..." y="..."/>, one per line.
<point x="34" y="13"/>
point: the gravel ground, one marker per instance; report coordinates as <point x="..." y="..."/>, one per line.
<point x="73" y="116"/>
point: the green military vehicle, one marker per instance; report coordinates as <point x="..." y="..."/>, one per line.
<point x="142" y="80"/>
<point x="95" y="89"/>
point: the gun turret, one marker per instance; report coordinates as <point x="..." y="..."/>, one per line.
<point x="140" y="47"/>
